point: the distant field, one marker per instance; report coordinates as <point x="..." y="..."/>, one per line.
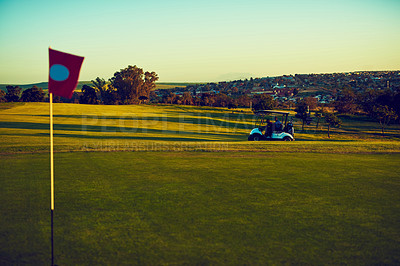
<point x="166" y="184"/>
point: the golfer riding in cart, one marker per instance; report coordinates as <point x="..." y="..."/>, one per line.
<point x="268" y="128"/>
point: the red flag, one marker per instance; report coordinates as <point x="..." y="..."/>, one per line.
<point x="63" y="72"/>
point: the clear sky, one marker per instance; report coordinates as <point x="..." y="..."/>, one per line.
<point x="203" y="40"/>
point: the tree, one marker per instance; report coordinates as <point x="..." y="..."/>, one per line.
<point x="150" y="79"/>
<point x="187" y="98"/>
<point x="222" y="100"/>
<point x="233" y="104"/>
<point x="100" y="86"/>
<point x="75" y="98"/>
<point x="88" y="95"/>
<point x="318" y="114"/>
<point x="396" y="103"/>
<point x="302" y="112"/>
<point x="2" y="96"/>
<point x="111" y="95"/>
<point x="368" y="100"/>
<point x="206" y="99"/>
<point x="33" y="94"/>
<point x="311" y="102"/>
<point x="132" y="82"/>
<point x="154" y="98"/>
<point x="389" y="98"/>
<point x="346" y="102"/>
<point x="383" y="105"/>
<point x="170" y="98"/>
<point x="384" y="114"/>
<point x="263" y="102"/>
<point x="332" y="121"/>
<point x="243" y="101"/>
<point x="13" y="93"/>
<point x="56" y="99"/>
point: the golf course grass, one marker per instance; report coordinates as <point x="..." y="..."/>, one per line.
<point x="200" y="208"/>
<point x="150" y="185"/>
<point x="25" y="128"/>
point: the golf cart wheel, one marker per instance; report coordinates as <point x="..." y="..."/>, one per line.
<point x="257" y="137"/>
<point x="287" y="139"/>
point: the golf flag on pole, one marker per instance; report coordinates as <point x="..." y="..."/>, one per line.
<point x="63" y="77"/>
<point x="63" y="73"/>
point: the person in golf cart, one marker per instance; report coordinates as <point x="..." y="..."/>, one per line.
<point x="278" y="125"/>
<point x="268" y="128"/>
<point x="289" y="128"/>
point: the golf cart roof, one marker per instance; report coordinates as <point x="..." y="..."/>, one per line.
<point x="264" y="112"/>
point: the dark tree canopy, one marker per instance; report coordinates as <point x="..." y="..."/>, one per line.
<point x="302" y="112"/>
<point x="263" y="102"/>
<point x="346" y="102"/>
<point x="13" y="93"/>
<point x="100" y="86"/>
<point x="311" y="102"/>
<point x="33" y="94"/>
<point x="187" y="98"/>
<point x="88" y="95"/>
<point x="369" y="99"/>
<point x="332" y="121"/>
<point x="384" y="114"/>
<point x="132" y="82"/>
<point x="318" y="115"/>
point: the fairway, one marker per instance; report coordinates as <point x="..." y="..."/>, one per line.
<point x="149" y="185"/>
<point x="24" y="127"/>
<point x="201" y="208"/>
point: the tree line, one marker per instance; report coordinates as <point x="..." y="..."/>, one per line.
<point x="131" y="85"/>
<point x="15" y="94"/>
<point x="382" y="105"/>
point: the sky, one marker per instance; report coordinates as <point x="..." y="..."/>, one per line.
<point x="199" y="41"/>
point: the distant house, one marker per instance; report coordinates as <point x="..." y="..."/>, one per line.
<point x="277" y="86"/>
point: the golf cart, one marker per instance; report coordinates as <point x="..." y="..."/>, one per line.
<point x="267" y="129"/>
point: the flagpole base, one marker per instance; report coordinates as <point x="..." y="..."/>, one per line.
<point x="52" y="238"/>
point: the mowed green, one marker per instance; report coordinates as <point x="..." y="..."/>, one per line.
<point x="181" y="185"/>
<point x="202" y="208"/>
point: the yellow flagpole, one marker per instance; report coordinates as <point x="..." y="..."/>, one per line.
<point x="51" y="152"/>
<point x="51" y="177"/>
